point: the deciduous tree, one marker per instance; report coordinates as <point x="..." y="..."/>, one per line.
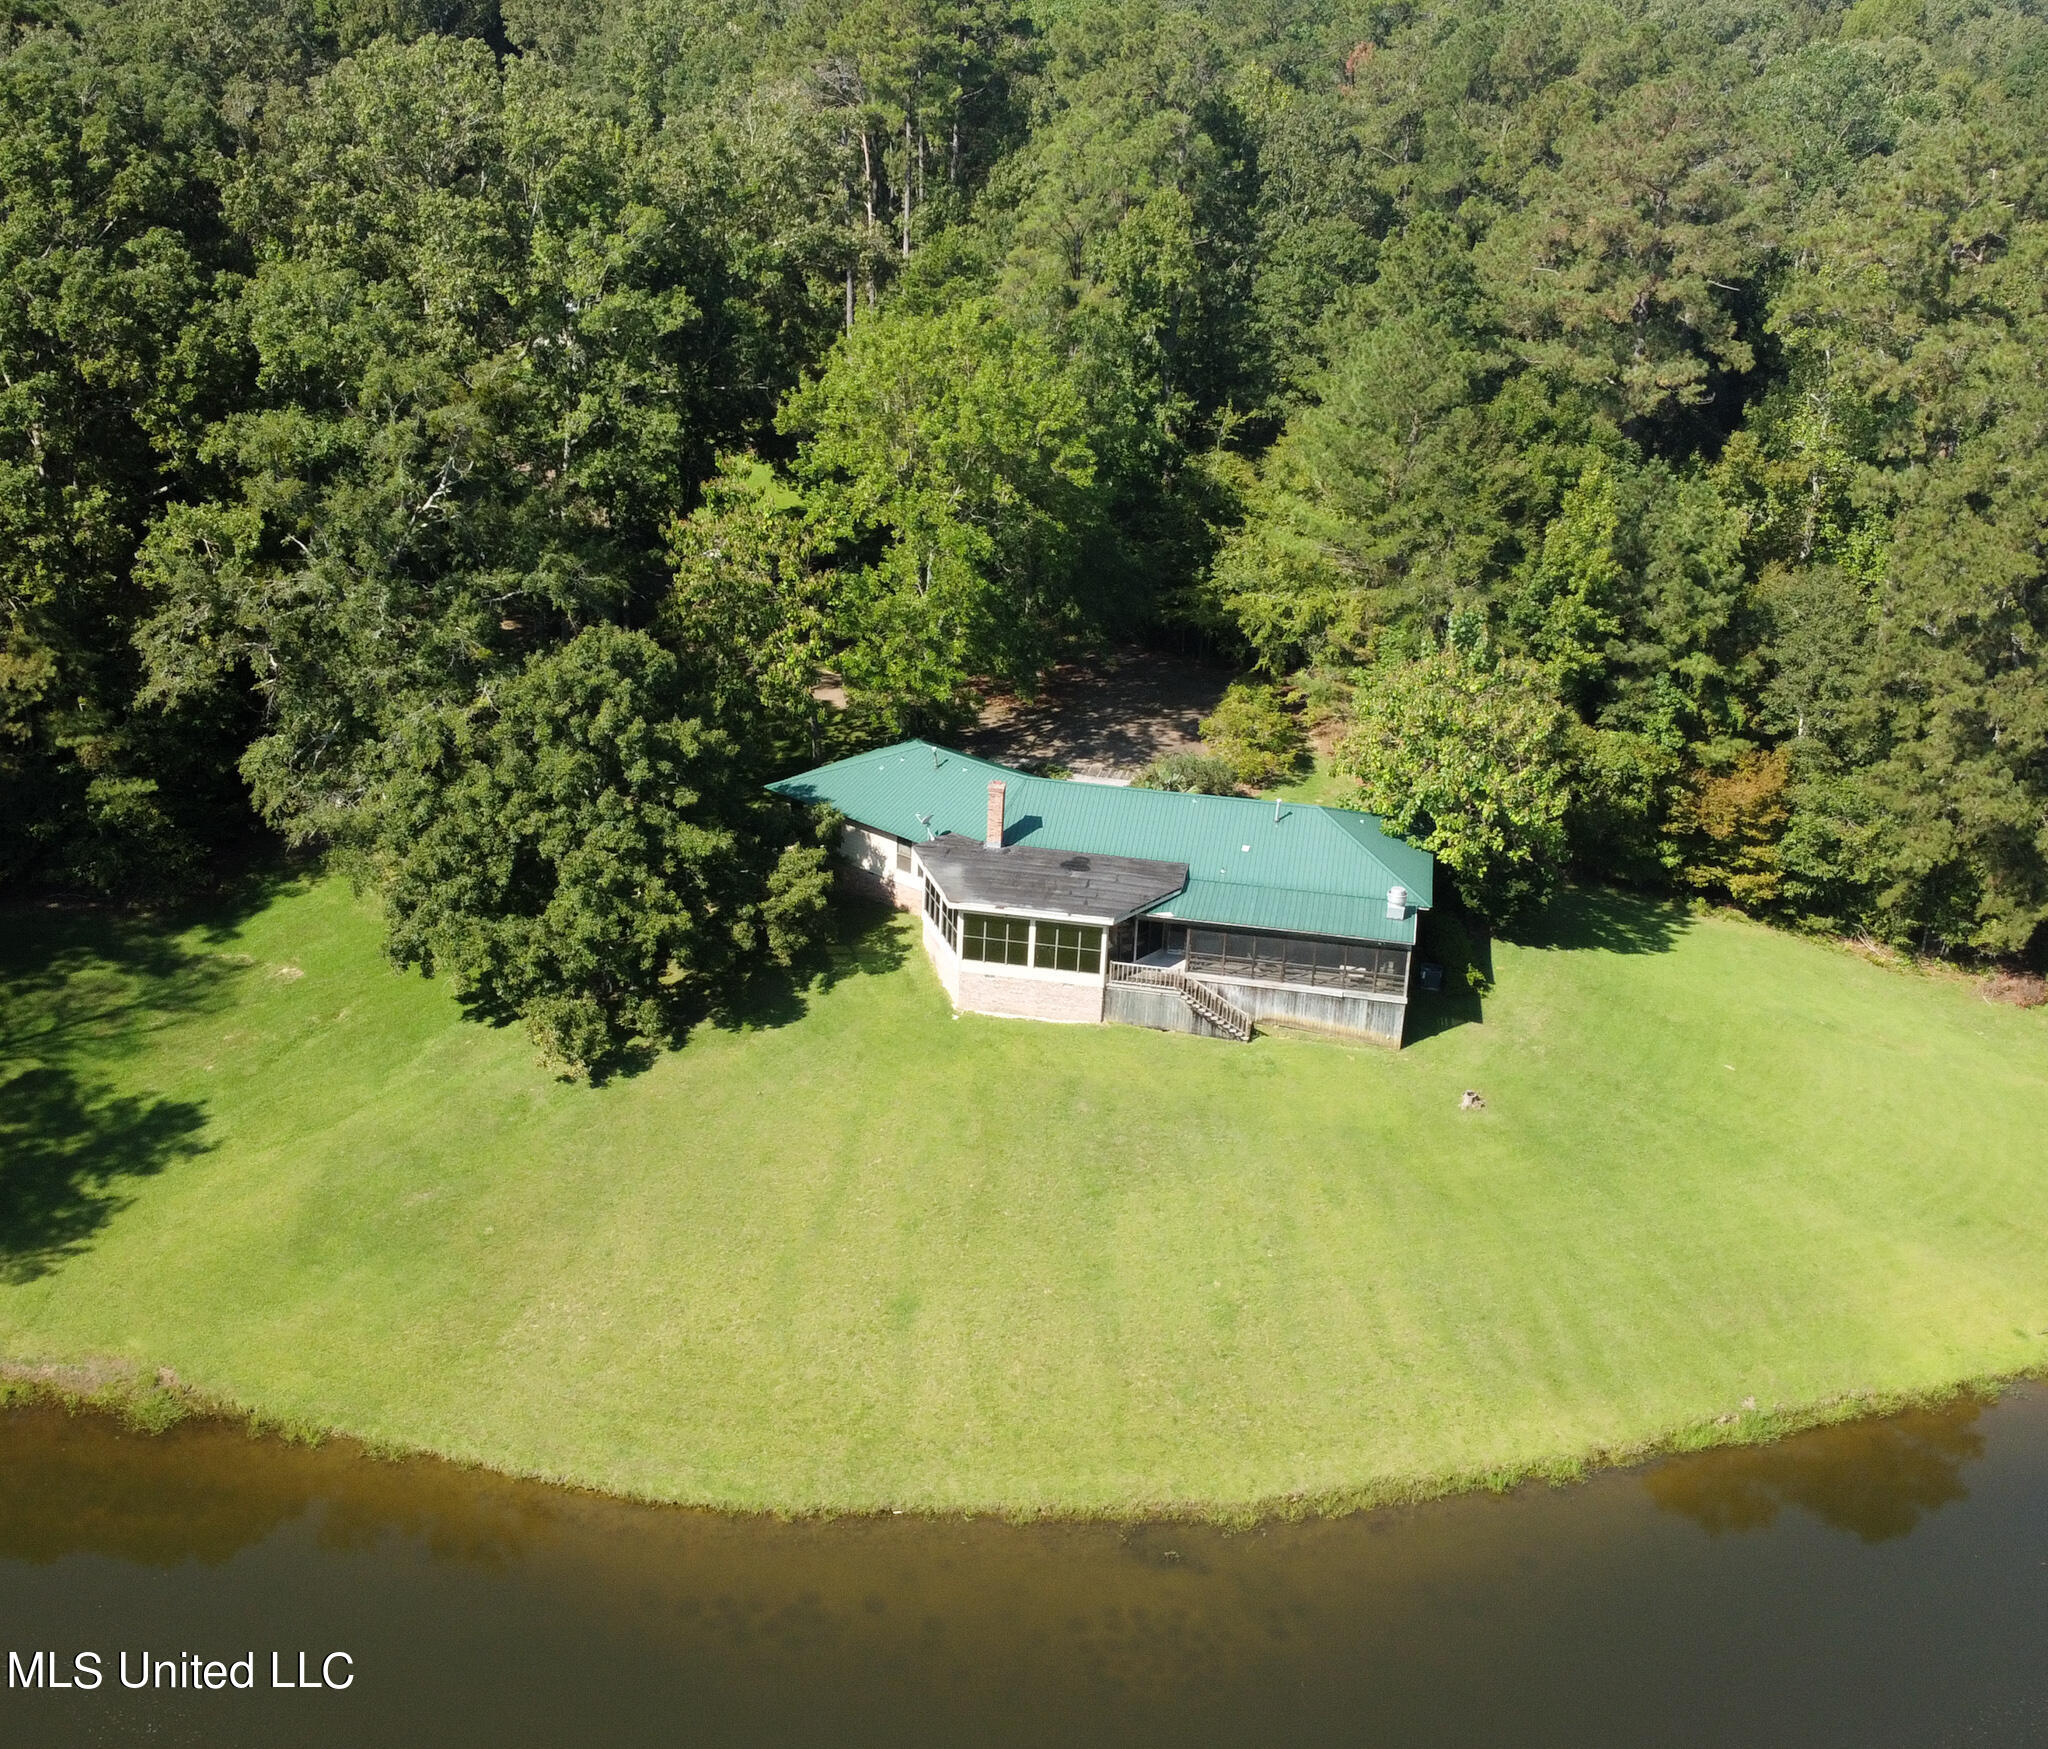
<point x="573" y="849"/>
<point x="1466" y="755"/>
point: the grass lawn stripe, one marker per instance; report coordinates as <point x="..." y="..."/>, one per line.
<point x="865" y="1255"/>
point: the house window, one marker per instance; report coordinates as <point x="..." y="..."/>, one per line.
<point x="902" y="858"/>
<point x="1068" y="947"/>
<point x="1003" y="941"/>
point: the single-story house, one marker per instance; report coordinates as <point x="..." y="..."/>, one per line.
<point x="1058" y="900"/>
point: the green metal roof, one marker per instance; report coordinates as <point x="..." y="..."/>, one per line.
<point x="1300" y="867"/>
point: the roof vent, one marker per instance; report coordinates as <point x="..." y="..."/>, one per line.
<point x="1397" y="903"/>
<point x="994" y="840"/>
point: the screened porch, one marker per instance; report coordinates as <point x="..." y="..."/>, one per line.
<point x="1304" y="962"/>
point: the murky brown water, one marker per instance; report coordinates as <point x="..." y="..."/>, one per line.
<point x="1879" y="1584"/>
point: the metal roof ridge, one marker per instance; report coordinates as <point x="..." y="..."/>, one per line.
<point x="902" y="748"/>
<point x="1277" y="883"/>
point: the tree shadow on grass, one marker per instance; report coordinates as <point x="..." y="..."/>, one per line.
<point x="859" y="941"/>
<point x="95" y="980"/>
<point x="81" y="988"/>
<point x="1578" y="919"/>
<point x="1458" y="946"/>
<point x="862" y="941"/>
<point x="1434" y="1012"/>
<point x="1602" y="919"/>
<point x="1875" y="1479"/>
<point x="68" y="1144"/>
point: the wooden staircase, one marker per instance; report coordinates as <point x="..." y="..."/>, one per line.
<point x="1205" y="999"/>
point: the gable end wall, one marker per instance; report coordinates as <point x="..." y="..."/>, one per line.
<point x="868" y="866"/>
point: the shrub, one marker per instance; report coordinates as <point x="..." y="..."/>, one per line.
<point x="1460" y="946"/>
<point x="1201" y="774"/>
<point x="1623" y="785"/>
<point x="1255" y="735"/>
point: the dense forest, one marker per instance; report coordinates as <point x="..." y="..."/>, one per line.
<point x="459" y="435"/>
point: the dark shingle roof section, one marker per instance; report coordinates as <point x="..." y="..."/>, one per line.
<point x="1024" y="877"/>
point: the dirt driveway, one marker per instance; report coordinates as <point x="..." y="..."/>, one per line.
<point x="1106" y="721"/>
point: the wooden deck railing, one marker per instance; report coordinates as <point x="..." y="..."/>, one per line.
<point x="1205" y="999"/>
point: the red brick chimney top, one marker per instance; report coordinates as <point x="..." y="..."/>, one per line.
<point x="994" y="841"/>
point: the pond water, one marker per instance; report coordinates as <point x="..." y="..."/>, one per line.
<point x="1882" y="1583"/>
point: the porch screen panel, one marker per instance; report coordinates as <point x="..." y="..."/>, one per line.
<point x="1292" y="959"/>
<point x="1156" y="936"/>
<point x="943" y="916"/>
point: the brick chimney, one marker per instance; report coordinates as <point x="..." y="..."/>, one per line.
<point x="994" y="841"/>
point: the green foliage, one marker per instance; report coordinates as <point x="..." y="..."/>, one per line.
<point x="1256" y="736"/>
<point x="753" y="611"/>
<point x="1200" y="774"/>
<point x="111" y="356"/>
<point x="1466" y="756"/>
<point x="1621" y="264"/>
<point x="1566" y="609"/>
<point x="1622" y="784"/>
<point x="953" y="447"/>
<point x="574" y="850"/>
<point x="379" y="548"/>
<point x="1710" y="398"/>
<point x="355" y="354"/>
<point x="489" y="329"/>
<point x="1912" y="667"/>
<point x="1126" y="221"/>
<point x="1420" y="472"/>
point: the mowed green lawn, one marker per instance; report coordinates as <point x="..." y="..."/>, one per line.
<point x="865" y="1254"/>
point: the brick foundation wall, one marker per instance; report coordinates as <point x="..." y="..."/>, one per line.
<point x="1028" y="998"/>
